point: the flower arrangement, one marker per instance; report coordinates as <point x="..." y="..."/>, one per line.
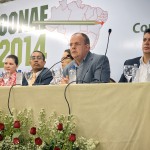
<point x="17" y="132"/>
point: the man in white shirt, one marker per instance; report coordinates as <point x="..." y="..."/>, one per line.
<point x="142" y="62"/>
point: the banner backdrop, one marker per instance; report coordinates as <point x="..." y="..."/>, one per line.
<point x="18" y="35"/>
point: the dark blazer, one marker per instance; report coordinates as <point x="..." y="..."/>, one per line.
<point x="44" y="78"/>
<point x="95" y="69"/>
<point x="130" y="62"/>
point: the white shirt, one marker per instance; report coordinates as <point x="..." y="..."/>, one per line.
<point x="144" y="71"/>
<point x="37" y="74"/>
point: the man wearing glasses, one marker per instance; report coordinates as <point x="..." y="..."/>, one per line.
<point x="90" y="67"/>
<point x="40" y="75"/>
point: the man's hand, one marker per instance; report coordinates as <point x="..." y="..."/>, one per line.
<point x="65" y="80"/>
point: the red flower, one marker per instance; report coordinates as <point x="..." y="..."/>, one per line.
<point x="33" y="131"/>
<point x="56" y="148"/>
<point x="2" y="126"/>
<point x="38" y="141"/>
<point x="60" y="126"/>
<point x="72" y="137"/>
<point x="17" y="124"/>
<point x="1" y="137"/>
<point x="16" y="141"/>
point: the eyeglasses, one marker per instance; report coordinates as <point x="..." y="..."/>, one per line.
<point x="65" y="58"/>
<point x="36" y="57"/>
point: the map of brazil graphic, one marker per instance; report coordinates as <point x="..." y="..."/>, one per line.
<point x="76" y="10"/>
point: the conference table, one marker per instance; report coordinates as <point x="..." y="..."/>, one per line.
<point x="115" y="114"/>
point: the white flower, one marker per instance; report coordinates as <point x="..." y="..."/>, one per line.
<point x="47" y="133"/>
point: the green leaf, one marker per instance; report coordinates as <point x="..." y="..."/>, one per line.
<point x="16" y="134"/>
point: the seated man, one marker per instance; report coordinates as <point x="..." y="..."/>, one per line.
<point x="142" y="62"/>
<point x="90" y="67"/>
<point x="40" y="74"/>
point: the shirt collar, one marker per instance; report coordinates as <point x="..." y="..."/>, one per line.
<point x="37" y="73"/>
<point x="86" y="56"/>
<point x="82" y="60"/>
<point x="142" y="62"/>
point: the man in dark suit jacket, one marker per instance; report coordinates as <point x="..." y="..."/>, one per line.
<point x="90" y="67"/>
<point x="142" y="62"/>
<point x="43" y="75"/>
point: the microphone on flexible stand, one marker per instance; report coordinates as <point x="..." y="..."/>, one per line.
<point x="59" y="61"/>
<point x="50" y="69"/>
<point x="109" y="32"/>
<point x="76" y="75"/>
<point x="53" y="66"/>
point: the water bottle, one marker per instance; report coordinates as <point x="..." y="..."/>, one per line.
<point x="72" y="75"/>
<point x="19" y="78"/>
<point x="135" y="73"/>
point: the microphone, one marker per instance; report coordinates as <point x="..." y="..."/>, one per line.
<point x="109" y="32"/>
<point x="53" y="66"/>
<point x="59" y="61"/>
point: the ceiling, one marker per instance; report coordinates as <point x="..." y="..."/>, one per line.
<point x="4" y="1"/>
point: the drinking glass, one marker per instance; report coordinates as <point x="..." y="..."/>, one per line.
<point x="128" y="72"/>
<point x="6" y="76"/>
<point x="57" y="75"/>
<point x="1" y="76"/>
<point x="28" y="76"/>
<point x="135" y="73"/>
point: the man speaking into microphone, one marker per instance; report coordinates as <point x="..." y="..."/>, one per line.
<point x="90" y="67"/>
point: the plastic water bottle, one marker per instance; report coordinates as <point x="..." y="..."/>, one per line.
<point x="135" y="73"/>
<point x="72" y="75"/>
<point x="19" y="78"/>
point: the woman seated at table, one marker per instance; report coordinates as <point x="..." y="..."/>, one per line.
<point x="10" y="66"/>
<point x="66" y="58"/>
